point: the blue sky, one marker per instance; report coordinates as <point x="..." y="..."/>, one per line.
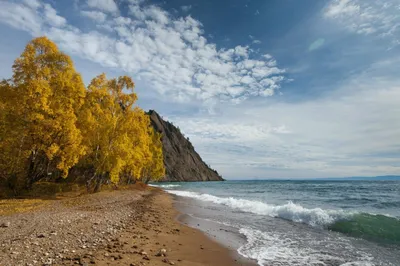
<point x="263" y="89"/>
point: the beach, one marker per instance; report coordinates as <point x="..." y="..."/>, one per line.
<point x="135" y="226"/>
<point x="297" y="222"/>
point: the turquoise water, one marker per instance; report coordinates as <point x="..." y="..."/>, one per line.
<point x="304" y="222"/>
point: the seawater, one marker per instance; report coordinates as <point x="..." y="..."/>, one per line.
<point x="304" y="223"/>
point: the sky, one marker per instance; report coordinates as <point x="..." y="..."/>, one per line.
<point x="263" y="89"/>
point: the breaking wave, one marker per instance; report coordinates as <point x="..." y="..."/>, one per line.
<point x="374" y="227"/>
<point x="166" y="186"/>
<point x="316" y="217"/>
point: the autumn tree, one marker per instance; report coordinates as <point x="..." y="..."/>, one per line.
<point x="154" y="168"/>
<point x="39" y="114"/>
<point x="119" y="135"/>
<point x="51" y="123"/>
<point x="146" y="161"/>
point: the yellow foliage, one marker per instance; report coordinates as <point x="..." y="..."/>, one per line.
<point x="119" y="136"/>
<point x="50" y="123"/>
<point x="41" y="102"/>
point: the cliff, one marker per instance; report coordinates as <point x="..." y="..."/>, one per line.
<point x="182" y="162"/>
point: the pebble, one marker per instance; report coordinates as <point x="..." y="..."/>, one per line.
<point x="162" y="253"/>
<point x="5" y="224"/>
<point x="168" y="261"/>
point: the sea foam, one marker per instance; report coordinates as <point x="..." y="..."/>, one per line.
<point x="277" y="250"/>
<point x="166" y="186"/>
<point x="316" y="217"/>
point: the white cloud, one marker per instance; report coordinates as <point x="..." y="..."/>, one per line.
<point x="171" y="55"/>
<point x="32" y="3"/>
<point x="52" y="18"/>
<point x="105" y="5"/>
<point x="339" y="8"/>
<point x="254" y="40"/>
<point x="97" y="16"/>
<point x="353" y="131"/>
<point x="186" y="8"/>
<point x="20" y="16"/>
<point x="150" y="12"/>
<point x="367" y="17"/>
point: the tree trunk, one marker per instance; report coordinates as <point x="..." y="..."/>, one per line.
<point x="99" y="182"/>
<point x="30" y="174"/>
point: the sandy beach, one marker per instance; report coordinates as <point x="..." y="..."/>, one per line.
<point x="134" y="226"/>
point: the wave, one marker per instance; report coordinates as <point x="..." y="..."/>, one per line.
<point x="166" y="186"/>
<point x="375" y="227"/>
<point x="379" y="228"/>
<point x="276" y="249"/>
<point x="316" y="217"/>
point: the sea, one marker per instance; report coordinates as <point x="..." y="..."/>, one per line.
<point x="301" y="222"/>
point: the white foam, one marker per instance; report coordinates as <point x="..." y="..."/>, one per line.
<point x="276" y="249"/>
<point x="290" y="211"/>
<point x="358" y="263"/>
<point x="166" y="186"/>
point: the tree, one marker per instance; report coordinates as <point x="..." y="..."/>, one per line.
<point x="50" y="123"/>
<point x="40" y="103"/>
<point x="121" y="141"/>
<point x="104" y="119"/>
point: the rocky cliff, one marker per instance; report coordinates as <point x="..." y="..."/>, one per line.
<point x="182" y="162"/>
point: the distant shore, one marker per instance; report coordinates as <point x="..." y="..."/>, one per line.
<point x="128" y="227"/>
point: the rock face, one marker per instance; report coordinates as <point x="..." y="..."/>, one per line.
<point x="182" y="162"/>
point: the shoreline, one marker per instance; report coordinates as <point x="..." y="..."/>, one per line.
<point x="127" y="227"/>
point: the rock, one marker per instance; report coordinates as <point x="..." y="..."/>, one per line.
<point x="162" y="253"/>
<point x="145" y="257"/>
<point x="5" y="224"/>
<point x="40" y="235"/>
<point x="182" y="162"/>
<point x="143" y="253"/>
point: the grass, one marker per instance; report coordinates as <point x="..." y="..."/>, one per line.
<point x="13" y="206"/>
<point x="43" y="193"/>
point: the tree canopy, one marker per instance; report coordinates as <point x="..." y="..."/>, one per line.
<point x="51" y="123"/>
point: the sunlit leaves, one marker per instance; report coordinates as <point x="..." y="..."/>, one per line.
<point x="51" y="123"/>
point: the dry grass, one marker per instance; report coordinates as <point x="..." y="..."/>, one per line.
<point x="43" y="193"/>
<point x="12" y="206"/>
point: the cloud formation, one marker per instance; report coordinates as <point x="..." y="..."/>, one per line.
<point x="350" y="132"/>
<point x="105" y="5"/>
<point x="366" y="17"/>
<point x="96" y="16"/>
<point x="170" y="54"/>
